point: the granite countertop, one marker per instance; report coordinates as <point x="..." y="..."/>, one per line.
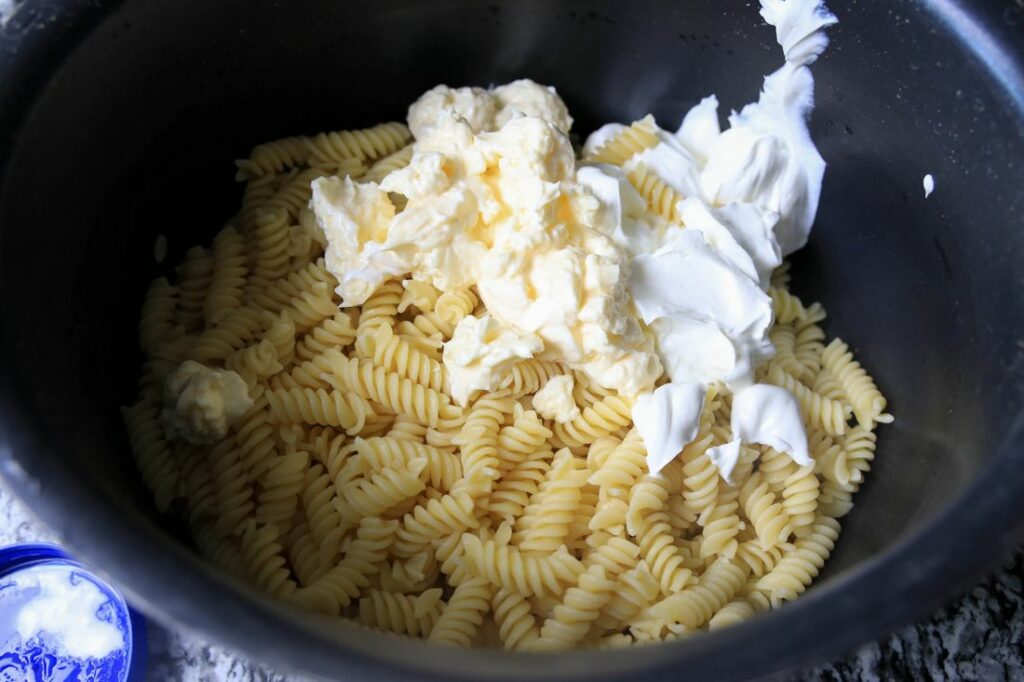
<point x="980" y="636"/>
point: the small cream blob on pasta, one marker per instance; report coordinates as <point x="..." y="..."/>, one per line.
<point x="202" y="402"/>
<point x="480" y="352"/>
<point x="555" y="401"/>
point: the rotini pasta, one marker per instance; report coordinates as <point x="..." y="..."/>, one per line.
<point x="628" y="142"/>
<point x="351" y="483"/>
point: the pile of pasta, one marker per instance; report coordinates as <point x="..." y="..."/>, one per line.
<point x="356" y="487"/>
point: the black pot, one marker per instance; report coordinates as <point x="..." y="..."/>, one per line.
<point x="119" y="121"/>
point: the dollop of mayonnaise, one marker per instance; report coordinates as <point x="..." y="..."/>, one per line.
<point x="554" y="400"/>
<point x="480" y="352"/>
<point x="770" y="415"/>
<point x="667" y="419"/>
<point x="487" y="110"/>
<point x="202" y="402"/>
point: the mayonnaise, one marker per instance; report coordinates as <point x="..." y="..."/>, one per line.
<point x="202" y="402"/>
<point x="480" y="352"/>
<point x="770" y="415"/>
<point x="554" y="400"/>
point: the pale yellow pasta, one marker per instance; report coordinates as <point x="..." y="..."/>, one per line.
<point x="160" y="472"/>
<point x="274" y="157"/>
<point x="517" y="626"/>
<point x="546" y="521"/>
<point x="281" y="486"/>
<point x="367" y="144"/>
<point x="356" y="487"/>
<point x="626" y="143"/>
<point x="464" y="613"/>
<point x="660" y="198"/>
<point x="596" y="421"/>
<point x="767" y="516"/>
<point x="868" y="401"/>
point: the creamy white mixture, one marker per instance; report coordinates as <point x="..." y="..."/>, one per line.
<point x="570" y="264"/>
<point x="201" y="402"/>
<point x="66" y="612"/>
<point x="554" y="400"/>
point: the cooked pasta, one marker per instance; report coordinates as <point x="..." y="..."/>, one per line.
<point x="628" y="142"/>
<point x="352" y="483"/>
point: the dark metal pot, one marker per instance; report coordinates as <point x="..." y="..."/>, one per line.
<point x="119" y="121"/>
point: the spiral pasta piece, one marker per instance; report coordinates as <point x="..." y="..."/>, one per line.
<point x="334" y="332"/>
<point x="158" y="328"/>
<point x="194" y="275"/>
<point x="380" y="308"/>
<point x="282" y="485"/>
<point x="529" y="574"/>
<point x="326" y="530"/>
<point x="271" y="238"/>
<point x="396" y="393"/>
<point x="512" y="493"/>
<point x="721" y="527"/>
<point x="830" y="415"/>
<point x="517" y="626"/>
<point x="441" y="469"/>
<point x="160" y="472"/>
<point x="452" y="513"/>
<point x="581" y="605"/>
<point x="478" y="444"/>
<point x="868" y="402"/>
<point x="596" y="421"/>
<point x="337" y="587"/>
<point x="635" y="590"/>
<point x="647" y="521"/>
<point x="794" y="572"/>
<point x="402" y="613"/>
<point x="624" y="466"/>
<point x="660" y="197"/>
<point x="548" y="518"/>
<point x="367" y="144"/>
<point x="628" y="142"/>
<point x="733" y="613"/>
<point x="695" y="605"/>
<point x="769" y="517"/>
<point x="518" y="440"/>
<point x="274" y="157"/>
<point x="800" y="498"/>
<point x="397" y="356"/>
<point x="464" y="613"/>
<point x="230" y="270"/>
<point x="264" y="559"/>
<point x="528" y="376"/>
<point x="378" y="492"/>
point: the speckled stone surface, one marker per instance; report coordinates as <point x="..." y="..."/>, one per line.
<point x="978" y="637"/>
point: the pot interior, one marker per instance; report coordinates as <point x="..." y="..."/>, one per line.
<point x="134" y="135"/>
